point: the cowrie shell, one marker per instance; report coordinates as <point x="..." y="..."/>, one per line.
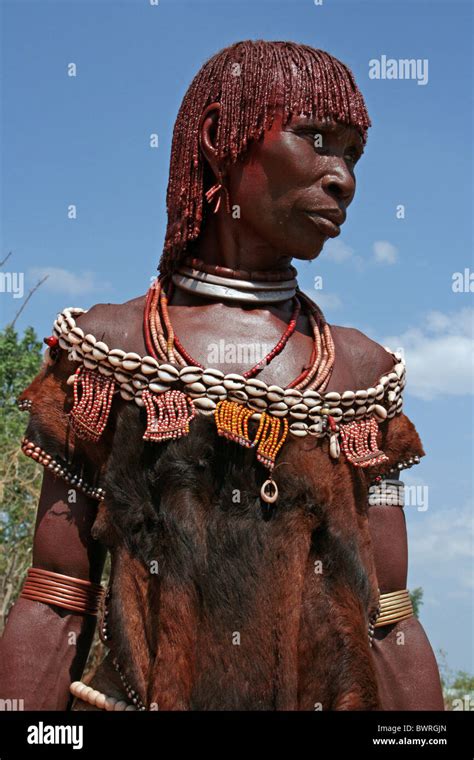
<point x="131" y="361"/>
<point x="204" y="404"/>
<point x="167" y="373"/>
<point x="100" y="350"/>
<point x="149" y="365"/>
<point x="275" y="393"/>
<point x="190" y="374"/>
<point x="299" y="429"/>
<point x="115" y="357"/>
<point x="212" y="376"/>
<point x="255" y="387"/>
<point x="234" y="382"/>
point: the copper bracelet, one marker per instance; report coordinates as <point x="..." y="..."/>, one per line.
<point x="394" y="607"/>
<point x="74" y="594"/>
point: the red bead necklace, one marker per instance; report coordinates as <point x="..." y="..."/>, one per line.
<point x="169" y="348"/>
<point x="154" y="345"/>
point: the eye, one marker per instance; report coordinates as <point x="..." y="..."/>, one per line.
<point x="352" y="156"/>
<point x="316" y="137"/>
<point x="319" y="143"/>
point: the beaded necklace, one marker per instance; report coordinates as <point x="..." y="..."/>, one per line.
<point x="272" y="275"/>
<point x="157" y="321"/>
<point x="245" y="409"/>
<point x="172" y="415"/>
<point x="163" y="344"/>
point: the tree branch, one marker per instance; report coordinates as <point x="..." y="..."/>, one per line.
<point x="5" y="259"/>
<point x="32" y="290"/>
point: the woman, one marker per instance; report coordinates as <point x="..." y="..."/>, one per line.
<point x="248" y="569"/>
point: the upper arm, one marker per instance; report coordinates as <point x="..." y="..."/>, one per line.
<point x="70" y="492"/>
<point x="63" y="542"/>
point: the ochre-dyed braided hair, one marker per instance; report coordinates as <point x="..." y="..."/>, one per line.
<point x="250" y="80"/>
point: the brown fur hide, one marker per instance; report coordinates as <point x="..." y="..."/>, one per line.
<point x="218" y="604"/>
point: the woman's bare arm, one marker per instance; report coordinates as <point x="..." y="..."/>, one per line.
<point x="406" y="667"/>
<point x="44" y="647"/>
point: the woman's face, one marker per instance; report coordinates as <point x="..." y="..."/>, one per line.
<point x="293" y="186"/>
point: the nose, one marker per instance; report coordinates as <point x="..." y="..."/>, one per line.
<point x="339" y="182"/>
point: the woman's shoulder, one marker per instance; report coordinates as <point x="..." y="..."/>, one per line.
<point x="370" y="364"/>
<point x="119" y="325"/>
<point x="360" y="360"/>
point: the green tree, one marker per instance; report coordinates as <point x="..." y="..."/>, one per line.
<point x="416" y="597"/>
<point x="20" y="477"/>
<point x="458" y="686"/>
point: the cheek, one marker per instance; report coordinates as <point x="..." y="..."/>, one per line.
<point x="250" y="190"/>
<point x="249" y="184"/>
<point x="270" y="178"/>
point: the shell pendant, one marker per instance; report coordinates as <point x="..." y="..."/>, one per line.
<point x="269" y="491"/>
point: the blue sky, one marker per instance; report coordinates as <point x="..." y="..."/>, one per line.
<point x="85" y="140"/>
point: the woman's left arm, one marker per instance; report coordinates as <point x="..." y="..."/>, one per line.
<point x="407" y="672"/>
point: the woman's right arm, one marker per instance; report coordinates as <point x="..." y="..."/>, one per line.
<point x="44" y="647"/>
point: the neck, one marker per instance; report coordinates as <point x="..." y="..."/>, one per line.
<point x="182" y="298"/>
<point x="230" y="243"/>
<point x="228" y="251"/>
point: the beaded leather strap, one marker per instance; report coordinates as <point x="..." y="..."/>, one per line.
<point x="75" y="594"/>
<point x="58" y="467"/>
<point x="98" y="699"/>
<point x="394" y="606"/>
<point x="305" y="405"/>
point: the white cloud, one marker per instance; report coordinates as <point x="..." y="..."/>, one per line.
<point x="338" y="251"/>
<point x="384" y="252"/>
<point x="326" y="301"/>
<point x="439" y="354"/>
<point x="65" y="281"/>
<point x="441" y="542"/>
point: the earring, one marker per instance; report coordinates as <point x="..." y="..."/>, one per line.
<point x="218" y="188"/>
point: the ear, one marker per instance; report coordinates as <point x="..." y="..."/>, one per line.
<point x="207" y="135"/>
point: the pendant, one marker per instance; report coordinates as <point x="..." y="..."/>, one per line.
<point x="168" y="415"/>
<point x="269" y="491"/>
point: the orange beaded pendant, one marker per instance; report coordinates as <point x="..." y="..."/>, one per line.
<point x="232" y="421"/>
<point x="271" y="435"/>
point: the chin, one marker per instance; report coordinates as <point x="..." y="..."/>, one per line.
<point x="308" y="255"/>
<point x="305" y="247"/>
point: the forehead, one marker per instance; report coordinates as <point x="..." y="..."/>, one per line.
<point x="328" y="125"/>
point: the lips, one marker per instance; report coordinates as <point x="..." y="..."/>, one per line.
<point x="336" y="215"/>
<point x="328" y="220"/>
